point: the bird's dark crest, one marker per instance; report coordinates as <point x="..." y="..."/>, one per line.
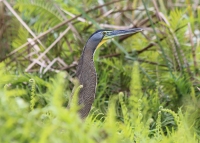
<point x="100" y="30"/>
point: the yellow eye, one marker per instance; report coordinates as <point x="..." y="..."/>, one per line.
<point x="104" y="32"/>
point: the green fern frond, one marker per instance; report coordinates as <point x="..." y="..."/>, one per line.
<point x="135" y="86"/>
<point x="32" y="102"/>
<point x="135" y="89"/>
<point x="21" y="37"/>
<point x="127" y="129"/>
<point x="42" y="14"/>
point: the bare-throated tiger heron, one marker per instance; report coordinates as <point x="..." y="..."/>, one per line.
<point x="86" y="73"/>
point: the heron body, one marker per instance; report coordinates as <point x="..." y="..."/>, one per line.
<point x="86" y="72"/>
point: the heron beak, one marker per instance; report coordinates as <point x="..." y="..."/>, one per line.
<point x="111" y="34"/>
<point x="115" y="33"/>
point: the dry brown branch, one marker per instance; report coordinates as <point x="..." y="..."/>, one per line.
<point x="21" y="21"/>
<point x="36" y="49"/>
<point x="157" y="10"/>
<point x="75" y="63"/>
<point x="104" y="15"/>
<point x="125" y="10"/>
<point x="115" y="26"/>
<point x="175" y="52"/>
<point x="70" y="24"/>
<point x="47" y="50"/>
<point x="72" y="15"/>
<point x="177" y="44"/>
<point x="54" y="61"/>
<point x="193" y="47"/>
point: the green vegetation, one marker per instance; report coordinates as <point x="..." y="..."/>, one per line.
<point x="148" y="83"/>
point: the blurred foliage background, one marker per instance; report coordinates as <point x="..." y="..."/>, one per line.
<point x="148" y="83"/>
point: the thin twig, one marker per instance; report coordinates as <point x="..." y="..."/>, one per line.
<point x="157" y="10"/>
<point x="193" y="48"/>
<point x="21" y="21"/>
<point x="75" y="63"/>
<point x="70" y="24"/>
<point x="47" y="50"/>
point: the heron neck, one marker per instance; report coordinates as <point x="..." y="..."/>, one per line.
<point x="87" y="77"/>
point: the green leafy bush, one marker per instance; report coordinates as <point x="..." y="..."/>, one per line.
<point x="24" y="120"/>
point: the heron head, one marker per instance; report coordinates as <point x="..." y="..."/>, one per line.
<point x="101" y="36"/>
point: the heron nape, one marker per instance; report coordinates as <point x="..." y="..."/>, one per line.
<point x="86" y="73"/>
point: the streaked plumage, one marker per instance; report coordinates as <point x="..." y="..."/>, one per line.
<point x="86" y="72"/>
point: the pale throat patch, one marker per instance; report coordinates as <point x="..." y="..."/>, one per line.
<point x="102" y="41"/>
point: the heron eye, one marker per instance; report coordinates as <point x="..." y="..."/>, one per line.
<point x="104" y="32"/>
